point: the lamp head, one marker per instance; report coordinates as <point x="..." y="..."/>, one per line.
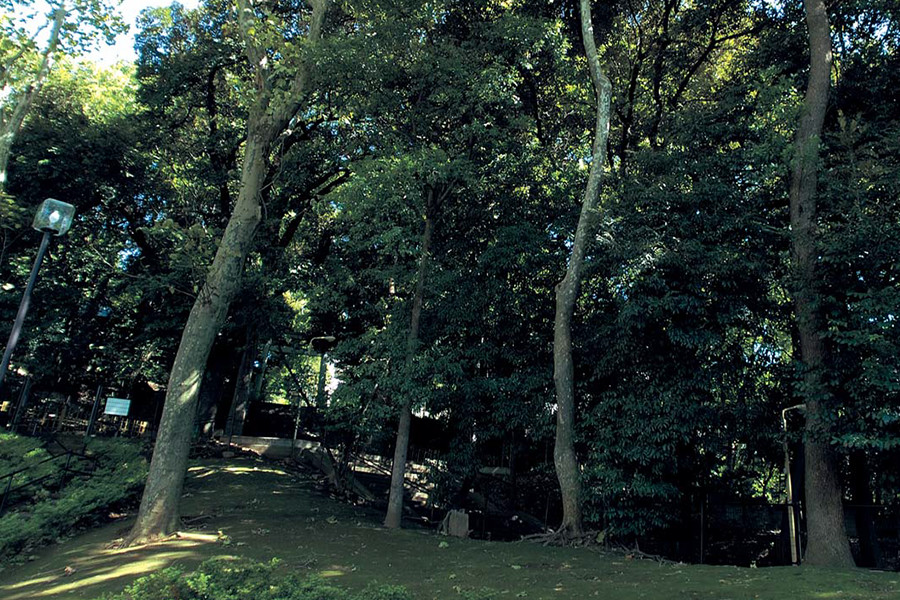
<point x="54" y="216"/>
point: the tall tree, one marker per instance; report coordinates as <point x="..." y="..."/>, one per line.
<point x="276" y="101"/>
<point x="827" y="538"/>
<point x="394" y="514"/>
<point x="25" y="63"/>
<point x="683" y="333"/>
<point x="567" y="467"/>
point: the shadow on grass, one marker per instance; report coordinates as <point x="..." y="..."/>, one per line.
<point x="252" y="509"/>
<point x="85" y="567"/>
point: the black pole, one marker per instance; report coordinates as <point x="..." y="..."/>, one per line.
<point x="90" y="425"/>
<point x="320" y="386"/>
<point x="23" y="308"/>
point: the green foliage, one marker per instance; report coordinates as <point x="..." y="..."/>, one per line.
<point x="85" y="24"/>
<point x="20" y="452"/>
<point x="683" y="339"/>
<point x="245" y="579"/>
<point x="119" y="476"/>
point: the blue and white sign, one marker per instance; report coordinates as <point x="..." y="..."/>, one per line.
<point x="117" y="406"/>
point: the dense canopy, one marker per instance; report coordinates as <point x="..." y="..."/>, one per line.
<point x="389" y="192"/>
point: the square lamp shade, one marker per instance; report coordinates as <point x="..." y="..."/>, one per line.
<point x="54" y="216"/>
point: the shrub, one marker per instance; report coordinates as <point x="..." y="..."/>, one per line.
<point x="119" y="476"/>
<point x="245" y="579"/>
<point x="19" y="452"/>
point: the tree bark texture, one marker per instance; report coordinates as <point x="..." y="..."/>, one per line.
<point x="158" y="513"/>
<point x="826" y="536"/>
<point x="240" y="400"/>
<point x="394" y="514"/>
<point x="564" y="457"/>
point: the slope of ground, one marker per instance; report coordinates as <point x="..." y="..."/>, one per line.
<point x="251" y="508"/>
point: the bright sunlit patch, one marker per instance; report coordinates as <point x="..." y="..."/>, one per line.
<point x="331" y="573"/>
<point x="193" y="538"/>
<point x="201" y="472"/>
<point x="30" y="582"/>
<point x="69" y="584"/>
<point x="242" y="470"/>
<point x="188" y="539"/>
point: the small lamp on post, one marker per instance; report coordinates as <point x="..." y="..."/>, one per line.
<point x="320" y="384"/>
<point x="790" y="504"/>
<point x="52" y="218"/>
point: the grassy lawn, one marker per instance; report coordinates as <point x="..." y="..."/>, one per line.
<point x="250" y="508"/>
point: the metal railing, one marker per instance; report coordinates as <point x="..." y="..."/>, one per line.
<point x="65" y="474"/>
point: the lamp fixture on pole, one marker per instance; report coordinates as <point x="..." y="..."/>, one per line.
<point x="52" y="218"/>
<point x="790" y="503"/>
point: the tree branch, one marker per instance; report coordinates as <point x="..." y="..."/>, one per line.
<point x="306" y="199"/>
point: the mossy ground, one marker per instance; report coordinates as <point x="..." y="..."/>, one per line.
<point x="251" y="508"/>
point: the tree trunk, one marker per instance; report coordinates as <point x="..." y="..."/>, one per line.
<point x="826" y="537"/>
<point x="241" y="398"/>
<point x="158" y="515"/>
<point x="398" y="469"/>
<point x="219" y="367"/>
<point x="870" y="555"/>
<point x="567" y="468"/>
<point x="10" y="126"/>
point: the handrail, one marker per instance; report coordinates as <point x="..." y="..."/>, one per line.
<point x="23" y="469"/>
<point x="65" y="471"/>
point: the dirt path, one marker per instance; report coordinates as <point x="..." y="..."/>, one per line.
<point x="250" y="508"/>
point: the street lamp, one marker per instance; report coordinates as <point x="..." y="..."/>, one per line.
<point x="320" y="386"/>
<point x="52" y="217"/>
<point x="789" y="487"/>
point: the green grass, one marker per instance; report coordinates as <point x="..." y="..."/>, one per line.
<point x="260" y="511"/>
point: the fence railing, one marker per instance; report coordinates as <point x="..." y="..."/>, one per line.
<point x="7" y="480"/>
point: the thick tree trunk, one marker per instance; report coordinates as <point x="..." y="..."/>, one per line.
<point x="398" y="469"/>
<point x="567" y="468"/>
<point x="158" y="515"/>
<point x="826" y="537"/>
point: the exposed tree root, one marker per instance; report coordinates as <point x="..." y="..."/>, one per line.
<point x="128" y="542"/>
<point x="563" y="538"/>
<point x="636" y="553"/>
<point x="594" y="539"/>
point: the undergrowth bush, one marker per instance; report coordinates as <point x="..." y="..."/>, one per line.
<point x="20" y="452"/>
<point x="245" y="579"/>
<point x="118" y="477"/>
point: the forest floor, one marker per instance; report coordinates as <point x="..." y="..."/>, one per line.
<point x="252" y="508"/>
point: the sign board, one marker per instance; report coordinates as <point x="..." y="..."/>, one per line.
<point x="117" y="406"/>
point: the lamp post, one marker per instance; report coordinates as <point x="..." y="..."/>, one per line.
<point x="320" y="387"/>
<point x="52" y="217"/>
<point x="789" y="487"/>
